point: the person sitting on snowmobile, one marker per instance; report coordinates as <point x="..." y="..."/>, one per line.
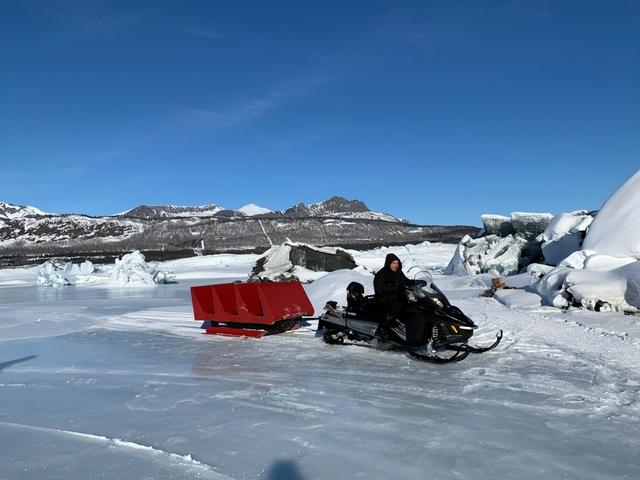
<point x="389" y="287"/>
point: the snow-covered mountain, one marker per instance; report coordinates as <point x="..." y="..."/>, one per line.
<point x="10" y="211"/>
<point x="252" y="209"/>
<point x="28" y="235"/>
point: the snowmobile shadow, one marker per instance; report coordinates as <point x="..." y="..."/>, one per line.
<point x="16" y="361"/>
<point x="284" y="470"/>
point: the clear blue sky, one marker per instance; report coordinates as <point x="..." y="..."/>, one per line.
<point x="435" y="111"/>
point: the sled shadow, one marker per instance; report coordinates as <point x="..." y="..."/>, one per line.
<point x="284" y="470"/>
<point x="16" y="361"/>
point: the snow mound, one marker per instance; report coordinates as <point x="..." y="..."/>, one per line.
<point x="133" y="270"/>
<point x="605" y="274"/>
<point x="333" y="286"/>
<point x="615" y="229"/>
<point x="564" y="235"/>
<point x="605" y="289"/>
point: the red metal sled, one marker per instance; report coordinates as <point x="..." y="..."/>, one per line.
<point x="250" y="309"/>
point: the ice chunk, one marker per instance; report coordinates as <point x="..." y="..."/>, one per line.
<point x="530" y="225"/>
<point x="490" y="254"/>
<point x="497" y="225"/>
<point x="50" y="274"/>
<point x="133" y="270"/>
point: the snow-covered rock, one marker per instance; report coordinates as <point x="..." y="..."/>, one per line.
<point x="615" y="230"/>
<point x="564" y="235"/>
<point x="133" y="270"/>
<point x="490" y="254"/>
<point x="296" y="261"/>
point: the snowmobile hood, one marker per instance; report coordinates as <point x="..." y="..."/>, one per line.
<point x="390" y="258"/>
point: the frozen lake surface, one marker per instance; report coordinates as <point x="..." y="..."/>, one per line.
<point x="104" y="382"/>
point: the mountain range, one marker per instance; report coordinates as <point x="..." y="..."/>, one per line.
<point x="29" y="235"/>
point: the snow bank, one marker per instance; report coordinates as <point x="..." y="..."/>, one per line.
<point x="133" y="270"/>
<point x="605" y="290"/>
<point x="615" y="230"/>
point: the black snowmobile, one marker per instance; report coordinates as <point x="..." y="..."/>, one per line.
<point x="429" y="328"/>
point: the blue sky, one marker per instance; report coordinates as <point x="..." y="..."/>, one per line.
<point x="435" y="111"/>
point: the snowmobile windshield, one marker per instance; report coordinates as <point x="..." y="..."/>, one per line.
<point x="420" y="292"/>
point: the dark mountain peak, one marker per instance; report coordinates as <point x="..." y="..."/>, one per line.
<point x="334" y="205"/>
<point x="155" y="212"/>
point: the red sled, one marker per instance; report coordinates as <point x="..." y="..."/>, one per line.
<point x="250" y="309"/>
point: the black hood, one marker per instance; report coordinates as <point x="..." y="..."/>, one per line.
<point x="390" y="258"/>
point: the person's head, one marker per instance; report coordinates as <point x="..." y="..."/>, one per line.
<point x="393" y="263"/>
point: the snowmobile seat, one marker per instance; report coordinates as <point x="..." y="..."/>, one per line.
<point x="355" y="297"/>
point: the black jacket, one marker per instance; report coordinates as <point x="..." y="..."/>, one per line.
<point x="389" y="285"/>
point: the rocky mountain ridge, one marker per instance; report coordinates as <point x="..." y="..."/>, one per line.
<point x="28" y="235"/>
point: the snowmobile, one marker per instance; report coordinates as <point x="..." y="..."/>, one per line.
<point x="429" y="328"/>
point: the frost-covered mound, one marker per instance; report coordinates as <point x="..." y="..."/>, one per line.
<point x="564" y="235"/>
<point x="298" y="261"/>
<point x="491" y="254"/>
<point x="133" y="270"/>
<point x="616" y="229"/>
<point x="54" y="274"/>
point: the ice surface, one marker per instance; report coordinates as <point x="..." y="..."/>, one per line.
<point x="99" y="381"/>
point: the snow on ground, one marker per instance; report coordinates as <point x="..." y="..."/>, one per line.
<point x="98" y="381"/>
